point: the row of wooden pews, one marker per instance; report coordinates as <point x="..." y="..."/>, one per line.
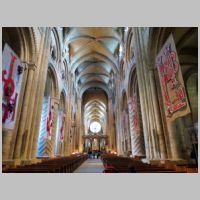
<point x="119" y="164"/>
<point x="181" y="168"/>
<point x="54" y="165"/>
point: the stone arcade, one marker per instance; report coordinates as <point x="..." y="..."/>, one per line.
<point x="124" y="92"/>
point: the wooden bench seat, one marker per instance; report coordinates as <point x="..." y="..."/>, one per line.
<point x="127" y="165"/>
<point x="54" y="165"/>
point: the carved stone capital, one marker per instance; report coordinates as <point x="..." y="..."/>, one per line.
<point x="29" y="66"/>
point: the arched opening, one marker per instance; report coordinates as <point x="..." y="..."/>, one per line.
<point x="104" y="95"/>
<point x="46" y="122"/>
<point x="130" y="50"/>
<point x="135" y="118"/>
<point x="61" y="115"/>
<point x="20" y="43"/>
<point x="95" y="119"/>
<point x="192" y="90"/>
<point x="126" y="143"/>
<point x="192" y="93"/>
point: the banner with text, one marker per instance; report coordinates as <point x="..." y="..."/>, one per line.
<point x="172" y="85"/>
<point x="12" y="75"/>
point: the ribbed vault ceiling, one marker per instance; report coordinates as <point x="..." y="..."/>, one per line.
<point x="95" y="109"/>
<point x="94" y="55"/>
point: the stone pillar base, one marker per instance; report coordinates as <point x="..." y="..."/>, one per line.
<point x="26" y="162"/>
<point x="17" y="162"/>
<point x="145" y="160"/>
<point x="174" y="161"/>
<point x="9" y="163"/>
<point x="137" y="157"/>
<point x="168" y="161"/>
<point x="35" y="160"/>
<point x="156" y="162"/>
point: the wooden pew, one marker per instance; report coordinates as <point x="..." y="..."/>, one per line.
<point x="55" y="165"/>
<point x="125" y="164"/>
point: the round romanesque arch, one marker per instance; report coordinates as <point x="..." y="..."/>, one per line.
<point x="23" y="41"/>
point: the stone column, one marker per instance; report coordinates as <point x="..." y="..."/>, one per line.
<point x="73" y="139"/>
<point x="183" y="137"/>
<point x="158" y="121"/>
<point x="41" y="80"/>
<point x="26" y="154"/>
<point x="155" y="124"/>
<point x="142" y="91"/>
<point x="173" y="141"/>
<point x="67" y="145"/>
<point x="156" y="134"/>
<point x="6" y="142"/>
<point x="114" y="136"/>
<point x="118" y="119"/>
<point x="22" y="133"/>
<point x="150" y="93"/>
<point x="79" y="125"/>
<point x="128" y="129"/>
<point x="107" y="130"/>
<point x="153" y="134"/>
<point x="110" y="124"/>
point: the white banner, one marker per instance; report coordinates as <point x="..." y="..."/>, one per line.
<point x="12" y="75"/>
<point x="171" y="80"/>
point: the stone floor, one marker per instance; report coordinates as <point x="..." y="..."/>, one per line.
<point x="91" y="166"/>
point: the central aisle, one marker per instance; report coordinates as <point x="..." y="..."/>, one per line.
<point x="91" y="166"/>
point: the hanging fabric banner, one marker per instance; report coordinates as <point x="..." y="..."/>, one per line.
<point x="125" y="124"/>
<point x="50" y="116"/>
<point x="12" y="75"/>
<point x="172" y="84"/>
<point x="133" y="113"/>
<point x="62" y="126"/>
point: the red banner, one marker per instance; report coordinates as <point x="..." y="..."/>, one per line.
<point x="125" y="123"/>
<point x="12" y="74"/>
<point x="62" y="126"/>
<point x="172" y="85"/>
<point x="50" y="115"/>
<point x="133" y="113"/>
